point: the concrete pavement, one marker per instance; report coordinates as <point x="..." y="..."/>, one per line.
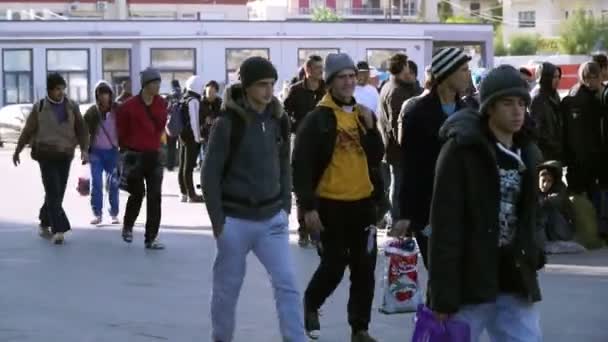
<point x="97" y="288"/>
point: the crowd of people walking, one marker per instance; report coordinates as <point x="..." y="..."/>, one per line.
<point x="471" y="168"/>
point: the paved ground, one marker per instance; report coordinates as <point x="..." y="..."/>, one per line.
<point x="96" y="288"/>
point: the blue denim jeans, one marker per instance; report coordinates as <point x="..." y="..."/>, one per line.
<point x="103" y="161"/>
<point x="269" y="241"/>
<point x="508" y="319"/>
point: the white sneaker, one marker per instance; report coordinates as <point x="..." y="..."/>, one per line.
<point x="45" y="232"/>
<point x="96" y="220"/>
<point x="115" y="220"/>
<point x="58" y="239"/>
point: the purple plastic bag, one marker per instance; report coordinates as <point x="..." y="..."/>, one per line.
<point x="429" y="329"/>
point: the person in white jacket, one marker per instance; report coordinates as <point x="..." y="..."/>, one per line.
<point x="190" y="140"/>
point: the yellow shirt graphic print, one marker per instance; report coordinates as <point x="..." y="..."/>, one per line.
<point x="347" y="176"/>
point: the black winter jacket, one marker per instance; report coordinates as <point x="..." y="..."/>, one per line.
<point x="314" y="148"/>
<point x="420" y="148"/>
<point x="583" y="137"/>
<point x="464" y="250"/>
<point x="545" y="109"/>
<point x="300" y="101"/>
<point x="392" y="96"/>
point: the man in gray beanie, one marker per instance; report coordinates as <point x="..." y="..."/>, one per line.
<point x="484" y="255"/>
<point x="140" y="122"/>
<point x="336" y="159"/>
<point x="247" y="177"/>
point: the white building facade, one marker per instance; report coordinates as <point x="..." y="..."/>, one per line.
<point x="87" y="51"/>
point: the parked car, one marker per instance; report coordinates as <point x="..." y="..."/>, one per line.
<point x="12" y="121"/>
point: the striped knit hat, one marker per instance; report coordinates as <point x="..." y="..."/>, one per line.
<point x="446" y="61"/>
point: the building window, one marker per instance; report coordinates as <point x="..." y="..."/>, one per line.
<point x="345" y="6"/>
<point x="316" y="3"/>
<point x="116" y="65"/>
<point x="234" y="58"/>
<point x="304" y="53"/>
<point x="173" y="64"/>
<point x="378" y="58"/>
<point x="73" y="65"/>
<point x="475" y="9"/>
<point x="409" y="7"/>
<point x="17" y="76"/>
<point x="527" y="19"/>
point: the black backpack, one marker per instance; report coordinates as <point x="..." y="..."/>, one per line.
<point x="237" y="130"/>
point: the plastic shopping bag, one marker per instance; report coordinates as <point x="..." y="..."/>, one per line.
<point x="84" y="181"/>
<point x="400" y="287"/>
<point x="429" y="329"/>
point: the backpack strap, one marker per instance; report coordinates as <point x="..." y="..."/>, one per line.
<point x="237" y="128"/>
<point x="40" y="105"/>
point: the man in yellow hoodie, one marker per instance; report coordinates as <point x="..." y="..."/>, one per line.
<point x="336" y="160"/>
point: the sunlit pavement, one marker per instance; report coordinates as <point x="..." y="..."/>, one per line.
<point x="97" y="288"/>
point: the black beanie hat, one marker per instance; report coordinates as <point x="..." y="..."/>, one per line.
<point x="500" y="82"/>
<point x="254" y="69"/>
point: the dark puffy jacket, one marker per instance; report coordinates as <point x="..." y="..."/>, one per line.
<point x="314" y="147"/>
<point x="420" y="148"/>
<point x="464" y="252"/>
<point x="392" y="96"/>
<point x="300" y="101"/>
<point x="583" y="137"/>
<point x="209" y="112"/>
<point x="545" y="109"/>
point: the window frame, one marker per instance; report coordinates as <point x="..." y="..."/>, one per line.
<point x="226" y="53"/>
<point x="301" y="63"/>
<point x="174" y="70"/>
<point x="394" y="50"/>
<point x="103" y="68"/>
<point x="475" y="12"/>
<point x="526" y="22"/>
<point x="70" y="72"/>
<point x="17" y="74"/>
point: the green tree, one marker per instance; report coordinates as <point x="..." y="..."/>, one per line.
<point x="444" y="9"/>
<point x="499" y="43"/>
<point x="523" y="45"/>
<point x="462" y="20"/>
<point x="325" y="14"/>
<point x="580" y="33"/>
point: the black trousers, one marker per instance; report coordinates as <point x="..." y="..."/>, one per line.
<point x="171" y="153"/>
<point x="349" y="239"/>
<point x="54" y="175"/>
<point x="148" y="182"/>
<point x="188" y="158"/>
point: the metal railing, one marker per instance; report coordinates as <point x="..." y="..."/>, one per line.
<point x="363" y="12"/>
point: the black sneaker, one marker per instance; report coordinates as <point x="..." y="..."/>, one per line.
<point x="311" y="324"/>
<point x="127" y="234"/>
<point x="154" y="245"/>
<point x="362" y="336"/>
<point x="303" y="239"/>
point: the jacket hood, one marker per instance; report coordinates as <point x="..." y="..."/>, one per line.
<point x="104" y="84"/>
<point x="544" y="74"/>
<point x="234" y="100"/>
<point x="553" y="166"/>
<point x="464" y="126"/>
<point x="195" y="84"/>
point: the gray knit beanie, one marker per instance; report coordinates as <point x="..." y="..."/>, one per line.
<point x="500" y="82"/>
<point x="149" y="75"/>
<point x="336" y="62"/>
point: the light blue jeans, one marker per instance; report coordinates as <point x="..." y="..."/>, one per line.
<point x="103" y="161"/>
<point x="269" y="241"/>
<point x="508" y="319"/>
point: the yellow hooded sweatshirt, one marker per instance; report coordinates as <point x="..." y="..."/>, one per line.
<point x="346" y="178"/>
